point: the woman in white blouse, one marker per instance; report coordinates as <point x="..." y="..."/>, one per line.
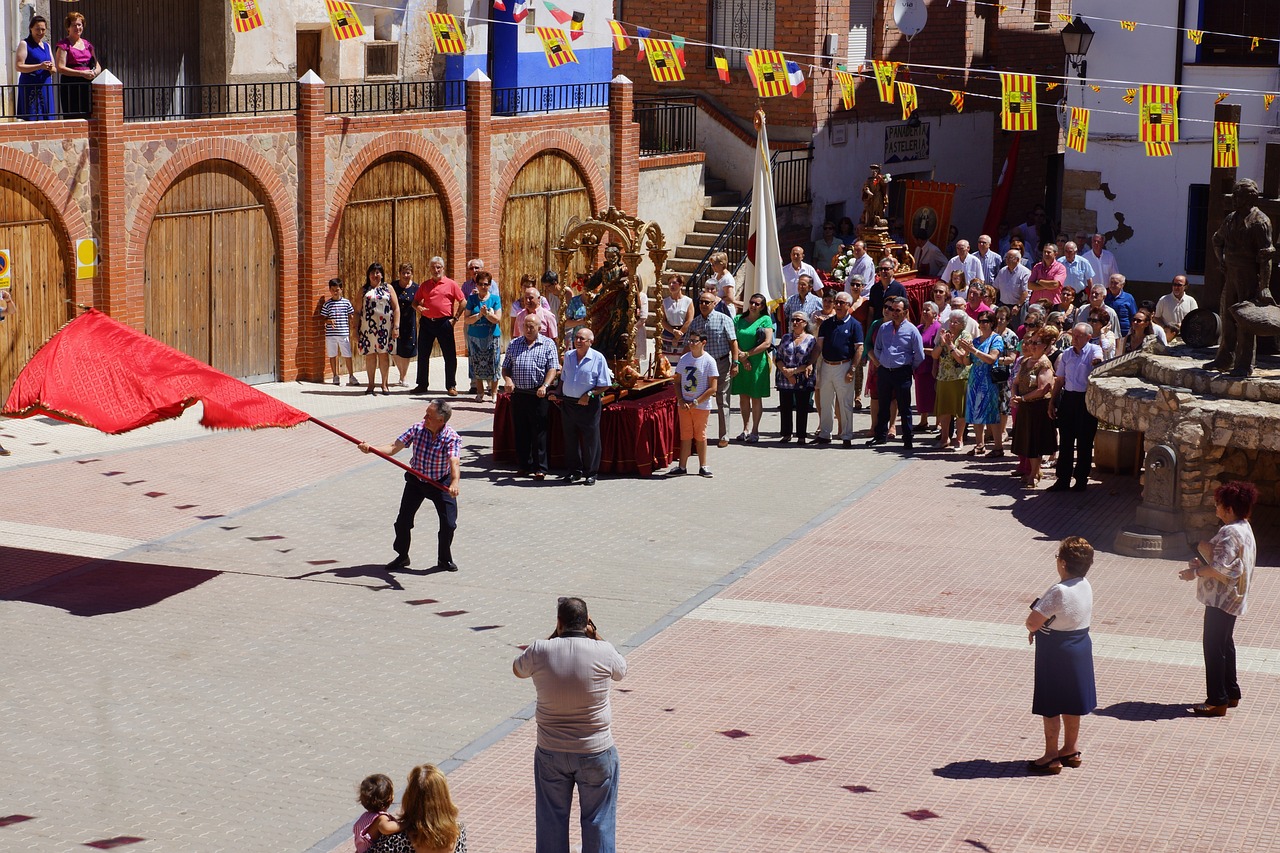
<point x="726" y="287"/>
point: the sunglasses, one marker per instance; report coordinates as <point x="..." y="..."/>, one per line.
<point x="755" y="304"/>
<point x="798" y="320"/>
<point x="706" y="302"/>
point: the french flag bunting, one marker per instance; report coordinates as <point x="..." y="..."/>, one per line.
<point x="796" y="78"/>
<point x="521" y="10"/>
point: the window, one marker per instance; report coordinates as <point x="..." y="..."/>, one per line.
<point x="742" y="24"/>
<point x="1043" y="15"/>
<point x="1248" y="18"/>
<point x="381" y="59"/>
<point x="985" y="24"/>
<point x="1197" y="228"/>
<point x="862" y="14"/>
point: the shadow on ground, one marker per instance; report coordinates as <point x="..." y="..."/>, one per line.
<point x="1144" y="712"/>
<point x="982" y="768"/>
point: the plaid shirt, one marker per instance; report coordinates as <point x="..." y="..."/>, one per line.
<point x="527" y="363"/>
<point x="719" y="331"/>
<point x="431" y="453"/>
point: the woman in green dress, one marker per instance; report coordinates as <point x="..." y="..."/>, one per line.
<point x="751" y="372"/>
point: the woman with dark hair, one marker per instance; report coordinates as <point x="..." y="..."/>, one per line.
<point x="1059" y="629"/>
<point x="926" y="374"/>
<point x="1223" y="571"/>
<point x="77" y="64"/>
<point x="751" y="372"/>
<point x="483" y="318"/>
<point x="845" y="232"/>
<point x="407" y="342"/>
<point x="1004" y="365"/>
<point x="35" y="73"/>
<point x="795" y="377"/>
<point x="428" y="817"/>
<point x="379" y="325"/>
<point x="677" y="314"/>
<point x="982" y="398"/>
<point x="1034" y="433"/>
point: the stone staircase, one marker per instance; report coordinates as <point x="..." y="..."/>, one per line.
<point x="721" y="202"/>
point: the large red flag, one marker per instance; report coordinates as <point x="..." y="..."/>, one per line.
<point x="100" y="373"/>
<point x="1004" y="186"/>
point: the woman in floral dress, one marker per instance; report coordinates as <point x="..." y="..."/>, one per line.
<point x="379" y="325"/>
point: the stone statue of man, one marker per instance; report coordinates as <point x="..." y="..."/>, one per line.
<point x="1243" y="250"/>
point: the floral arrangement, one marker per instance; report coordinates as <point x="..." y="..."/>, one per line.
<point x="840" y="266"/>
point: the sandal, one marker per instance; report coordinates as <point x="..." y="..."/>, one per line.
<point x="977" y="450"/>
<point x="741" y="437"/>
<point x="1053" y="768"/>
<point x="996" y="453"/>
<point x="1070" y="760"/>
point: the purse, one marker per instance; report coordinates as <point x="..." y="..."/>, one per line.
<point x="999" y="372"/>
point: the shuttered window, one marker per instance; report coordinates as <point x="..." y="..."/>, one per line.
<point x="862" y="15"/>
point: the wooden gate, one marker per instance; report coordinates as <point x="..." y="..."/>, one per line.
<point x="211" y="278"/>
<point x="547" y="192"/>
<point x="37" y="275"/>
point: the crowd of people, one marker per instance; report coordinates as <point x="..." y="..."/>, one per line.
<point x="72" y="58"/>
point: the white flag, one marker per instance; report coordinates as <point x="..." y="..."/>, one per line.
<point x="762" y="270"/>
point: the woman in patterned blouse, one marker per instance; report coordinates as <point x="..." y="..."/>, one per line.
<point x="428" y="818"/>
<point x="795" y="376"/>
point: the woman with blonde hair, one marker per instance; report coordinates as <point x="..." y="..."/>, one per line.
<point x="428" y="818"/>
<point x="726" y="287"/>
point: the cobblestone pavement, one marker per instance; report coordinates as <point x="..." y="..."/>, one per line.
<point x="825" y="646"/>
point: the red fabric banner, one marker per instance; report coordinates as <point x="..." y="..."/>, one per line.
<point x="928" y="209"/>
<point x="102" y="374"/>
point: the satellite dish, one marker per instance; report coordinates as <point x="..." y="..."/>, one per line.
<point x="910" y="16"/>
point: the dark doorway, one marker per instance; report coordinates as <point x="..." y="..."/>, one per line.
<point x="308" y="53"/>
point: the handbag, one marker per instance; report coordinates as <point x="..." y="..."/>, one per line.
<point x="999" y="372"/>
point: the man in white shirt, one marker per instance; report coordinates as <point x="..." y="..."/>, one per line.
<point x="1102" y="261"/>
<point x="862" y="266"/>
<point x="1080" y="271"/>
<point x="1174" y="307"/>
<point x="1013" y="282"/>
<point x="965" y="262"/>
<point x="991" y="261"/>
<point x="929" y="258"/>
<point x="795" y="269"/>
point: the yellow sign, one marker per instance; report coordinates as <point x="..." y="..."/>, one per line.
<point x="86" y="259"/>
<point x="6" y="278"/>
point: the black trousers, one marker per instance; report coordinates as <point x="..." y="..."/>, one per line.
<point x="1076" y="431"/>
<point x="581" y="425"/>
<point x="415" y="492"/>
<point x="797" y="403"/>
<point x="529" y="423"/>
<point x="1219" y="657"/>
<point x="429" y="332"/>
<point x="894" y="383"/>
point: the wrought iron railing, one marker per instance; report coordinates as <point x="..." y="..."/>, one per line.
<point x="395" y="97"/>
<point x="151" y="103"/>
<point x="539" y="99"/>
<point x="667" y="125"/>
<point x="791" y="177"/>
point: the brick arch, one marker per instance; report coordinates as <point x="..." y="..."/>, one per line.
<point x="562" y="143"/>
<point x="430" y="159"/>
<point x="68" y="218"/>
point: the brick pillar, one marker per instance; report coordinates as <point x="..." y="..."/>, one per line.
<point x="306" y="359"/>
<point x="117" y="290"/>
<point x="624" y="176"/>
<point x="483" y="221"/>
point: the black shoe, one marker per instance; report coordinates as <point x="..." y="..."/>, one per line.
<point x="419" y="389"/>
<point x="848" y="442"/>
<point x="400" y="562"/>
<point x="786" y="439"/>
<point x="571" y="477"/>
<point x="1059" y="486"/>
<point x="1080" y="486"/>
<point x="908" y="446"/>
<point x="447" y="566"/>
<point x="590" y="481"/>
<point x="876" y="442"/>
<point x="820" y="440"/>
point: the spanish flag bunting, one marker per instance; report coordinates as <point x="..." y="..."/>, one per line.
<point x="1226" y="145"/>
<point x="575" y="25"/>
<point x="1051" y="85"/>
<point x="957" y="100"/>
<point x="1254" y="42"/>
<point x="907" y="95"/>
<point x="561" y="16"/>
<point x="1222" y="96"/>
<point x="1158" y="114"/>
<point x="1128" y="25"/>
<point x="447" y="33"/>
<point x="769" y="70"/>
<point x="1267" y="100"/>
<point x="885" y="72"/>
<point x="677" y="42"/>
<point x="1129" y="95"/>
<point x="344" y="20"/>
<point x="722" y="66"/>
<point x="1158" y="149"/>
<point x="1078" y="130"/>
<point x="848" y="83"/>
<point x="556" y="46"/>
<point x="246" y="15"/>
<point x="1195" y="35"/>
<point x="1018" y="101"/>
<point x="664" y="67"/>
<point x="1096" y="89"/>
<point x="619" y="35"/>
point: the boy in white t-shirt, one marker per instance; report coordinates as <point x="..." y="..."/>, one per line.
<point x="337" y="311"/>
<point x="696" y="379"/>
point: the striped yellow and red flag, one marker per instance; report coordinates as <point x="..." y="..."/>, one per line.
<point x="1267" y="101"/>
<point x="1158" y="149"/>
<point x="1254" y="42"/>
<point x="1129" y="95"/>
<point x="769" y="70"/>
<point x="957" y="100"/>
<point x="1158" y="113"/>
<point x="1078" y="129"/>
<point x="1051" y="85"/>
<point x="1222" y="96"/>
<point x="1018" y="101"/>
<point x="1128" y="25"/>
<point x="907" y="95"/>
<point x="885" y="71"/>
<point x="447" y="33"/>
<point x="1096" y="89"/>
<point x="246" y="15"/>
<point x="848" y="83"/>
<point x="1226" y="145"/>
<point x="1196" y="36"/>
<point x="619" y="35"/>
<point x="343" y="20"/>
<point x="722" y="66"/>
<point x="555" y="46"/>
<point x="664" y="65"/>
<point x="1066" y="19"/>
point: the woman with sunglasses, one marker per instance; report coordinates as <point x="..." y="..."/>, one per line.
<point x="751" y="371"/>
<point x="795" y="377"/>
<point x="1143" y="333"/>
<point x="1103" y="336"/>
<point x="982" y="399"/>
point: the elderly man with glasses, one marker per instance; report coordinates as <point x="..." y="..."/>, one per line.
<point x="722" y="345"/>
<point x="897" y="351"/>
<point x="584" y="376"/>
<point x="1173" y="307"/>
<point x="886" y="285"/>
<point x="839" y="347"/>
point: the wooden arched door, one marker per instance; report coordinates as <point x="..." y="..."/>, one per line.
<point x="37" y="274"/>
<point x="211" y="280"/>
<point x="547" y="192"/>
<point x="395" y="214"/>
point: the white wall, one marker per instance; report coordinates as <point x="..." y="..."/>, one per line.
<point x="674" y="198"/>
<point x="728" y="157"/>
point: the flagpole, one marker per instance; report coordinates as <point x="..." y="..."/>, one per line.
<point x="375" y="451"/>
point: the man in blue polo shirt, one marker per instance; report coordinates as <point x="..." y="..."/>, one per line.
<point x="586" y="374"/>
<point x="839" y="347"/>
<point x="1120" y="302"/>
<point x="898" y="350"/>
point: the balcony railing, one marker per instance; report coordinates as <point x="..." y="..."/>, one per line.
<point x="540" y="99"/>
<point x="152" y="103"/>
<point x="426" y="95"/>
<point x="791" y="177"/>
<point x="667" y="125"/>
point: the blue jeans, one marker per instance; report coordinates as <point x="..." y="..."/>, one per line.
<point x="596" y="775"/>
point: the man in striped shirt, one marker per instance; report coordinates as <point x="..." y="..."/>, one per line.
<point x="436" y="462"/>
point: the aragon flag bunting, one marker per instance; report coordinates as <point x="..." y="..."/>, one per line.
<point x="447" y="33"/>
<point x="769" y="73"/>
<point x="246" y="15"/>
<point x="1226" y="145"/>
<point x="556" y="46"/>
<point x="957" y="100"/>
<point x="1078" y="130"/>
<point x="1158" y="114"/>
<point x="1158" y="149"/>
<point x="619" y="35"/>
<point x="907" y="95"/>
<point x="343" y="20"/>
<point x="664" y="67"/>
<point x="885" y="72"/>
<point x="848" y="84"/>
<point x="1018" y="102"/>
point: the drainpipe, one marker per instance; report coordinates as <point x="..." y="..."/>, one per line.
<point x="1177" y="67"/>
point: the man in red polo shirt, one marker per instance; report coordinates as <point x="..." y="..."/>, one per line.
<point x="439" y="303"/>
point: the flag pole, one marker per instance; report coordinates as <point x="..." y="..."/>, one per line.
<point x="375" y="451"/>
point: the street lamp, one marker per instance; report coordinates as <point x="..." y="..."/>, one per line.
<point x="1076" y="38"/>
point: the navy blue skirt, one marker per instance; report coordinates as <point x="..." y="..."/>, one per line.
<point x="1064" y="674"/>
